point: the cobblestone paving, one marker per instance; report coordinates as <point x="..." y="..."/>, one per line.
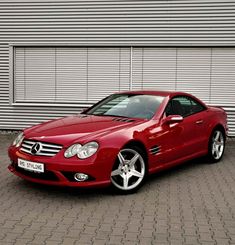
<point x="190" y="204"/>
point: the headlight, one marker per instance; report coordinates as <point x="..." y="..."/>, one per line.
<point x="82" y="152"/>
<point x="88" y="150"/>
<point x="18" y="140"/>
<point x="72" y="150"/>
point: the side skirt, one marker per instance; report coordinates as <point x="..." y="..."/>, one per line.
<point x="176" y="162"/>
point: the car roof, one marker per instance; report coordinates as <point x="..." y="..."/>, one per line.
<point x="155" y="92"/>
<point x="169" y="94"/>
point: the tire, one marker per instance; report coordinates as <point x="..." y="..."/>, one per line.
<point x="129" y="171"/>
<point x="216" y="145"/>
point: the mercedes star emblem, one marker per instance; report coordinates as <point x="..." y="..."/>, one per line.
<point x="36" y="148"/>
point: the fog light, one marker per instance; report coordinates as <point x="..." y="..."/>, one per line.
<point x="80" y="177"/>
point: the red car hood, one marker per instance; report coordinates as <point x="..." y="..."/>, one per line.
<point x="69" y="130"/>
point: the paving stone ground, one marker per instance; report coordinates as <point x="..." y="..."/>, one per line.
<point x="190" y="204"/>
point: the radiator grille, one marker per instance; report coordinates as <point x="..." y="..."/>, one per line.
<point x="40" y="148"/>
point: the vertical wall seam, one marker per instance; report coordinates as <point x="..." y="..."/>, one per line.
<point x="87" y="76"/>
<point x="25" y="97"/>
<point x="11" y="75"/>
<point x="176" y="68"/>
<point x="131" y="68"/>
<point x="210" y="85"/>
<point x="142" y="67"/>
<point x="13" y="65"/>
<point x="119" y="67"/>
<point x="55" y="74"/>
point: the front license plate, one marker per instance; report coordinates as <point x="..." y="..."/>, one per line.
<point x="31" y="166"/>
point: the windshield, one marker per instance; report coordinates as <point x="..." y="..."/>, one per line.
<point x="127" y="105"/>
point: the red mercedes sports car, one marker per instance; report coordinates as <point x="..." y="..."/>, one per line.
<point x="120" y="140"/>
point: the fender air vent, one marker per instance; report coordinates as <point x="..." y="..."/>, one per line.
<point x="154" y="150"/>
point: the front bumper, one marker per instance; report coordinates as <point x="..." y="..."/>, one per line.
<point x="59" y="171"/>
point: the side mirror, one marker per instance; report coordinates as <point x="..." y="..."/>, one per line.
<point x="173" y="119"/>
<point x="83" y="110"/>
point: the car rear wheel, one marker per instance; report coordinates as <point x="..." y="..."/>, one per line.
<point x="216" y="145"/>
<point x="129" y="170"/>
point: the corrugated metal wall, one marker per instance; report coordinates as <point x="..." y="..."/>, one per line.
<point x="106" y="23"/>
<point x="72" y="75"/>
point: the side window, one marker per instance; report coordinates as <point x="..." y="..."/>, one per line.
<point x="184" y="106"/>
<point x="196" y="107"/>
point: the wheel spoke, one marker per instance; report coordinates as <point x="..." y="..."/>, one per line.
<point x="213" y="149"/>
<point x="217" y="136"/>
<point x="221" y="143"/>
<point x="136" y="173"/>
<point x="121" y="158"/>
<point x="134" y="159"/>
<point x="125" y="180"/>
<point x="217" y="153"/>
<point x="116" y="172"/>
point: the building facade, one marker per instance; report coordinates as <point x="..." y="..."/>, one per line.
<point x="58" y="56"/>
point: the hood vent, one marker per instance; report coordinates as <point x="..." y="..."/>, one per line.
<point x="120" y="119"/>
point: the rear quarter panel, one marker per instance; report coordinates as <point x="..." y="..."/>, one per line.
<point x="216" y="117"/>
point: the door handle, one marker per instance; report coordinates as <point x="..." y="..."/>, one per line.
<point x="199" y="121"/>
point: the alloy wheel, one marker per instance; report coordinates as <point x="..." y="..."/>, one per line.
<point x="129" y="171"/>
<point x="217" y="147"/>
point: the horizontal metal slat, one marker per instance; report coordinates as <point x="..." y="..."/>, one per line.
<point x="45" y="154"/>
<point x="25" y="150"/>
<point x="49" y="151"/>
<point x="48" y="146"/>
<point x="26" y="146"/>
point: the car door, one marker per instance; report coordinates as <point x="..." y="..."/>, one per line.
<point x="193" y="125"/>
<point x="166" y="140"/>
<point x="181" y="139"/>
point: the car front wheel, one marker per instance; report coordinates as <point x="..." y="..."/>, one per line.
<point x="129" y="170"/>
<point x="216" y="145"/>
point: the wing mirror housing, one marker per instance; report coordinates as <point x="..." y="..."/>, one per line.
<point x="173" y="119"/>
<point x="83" y="110"/>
